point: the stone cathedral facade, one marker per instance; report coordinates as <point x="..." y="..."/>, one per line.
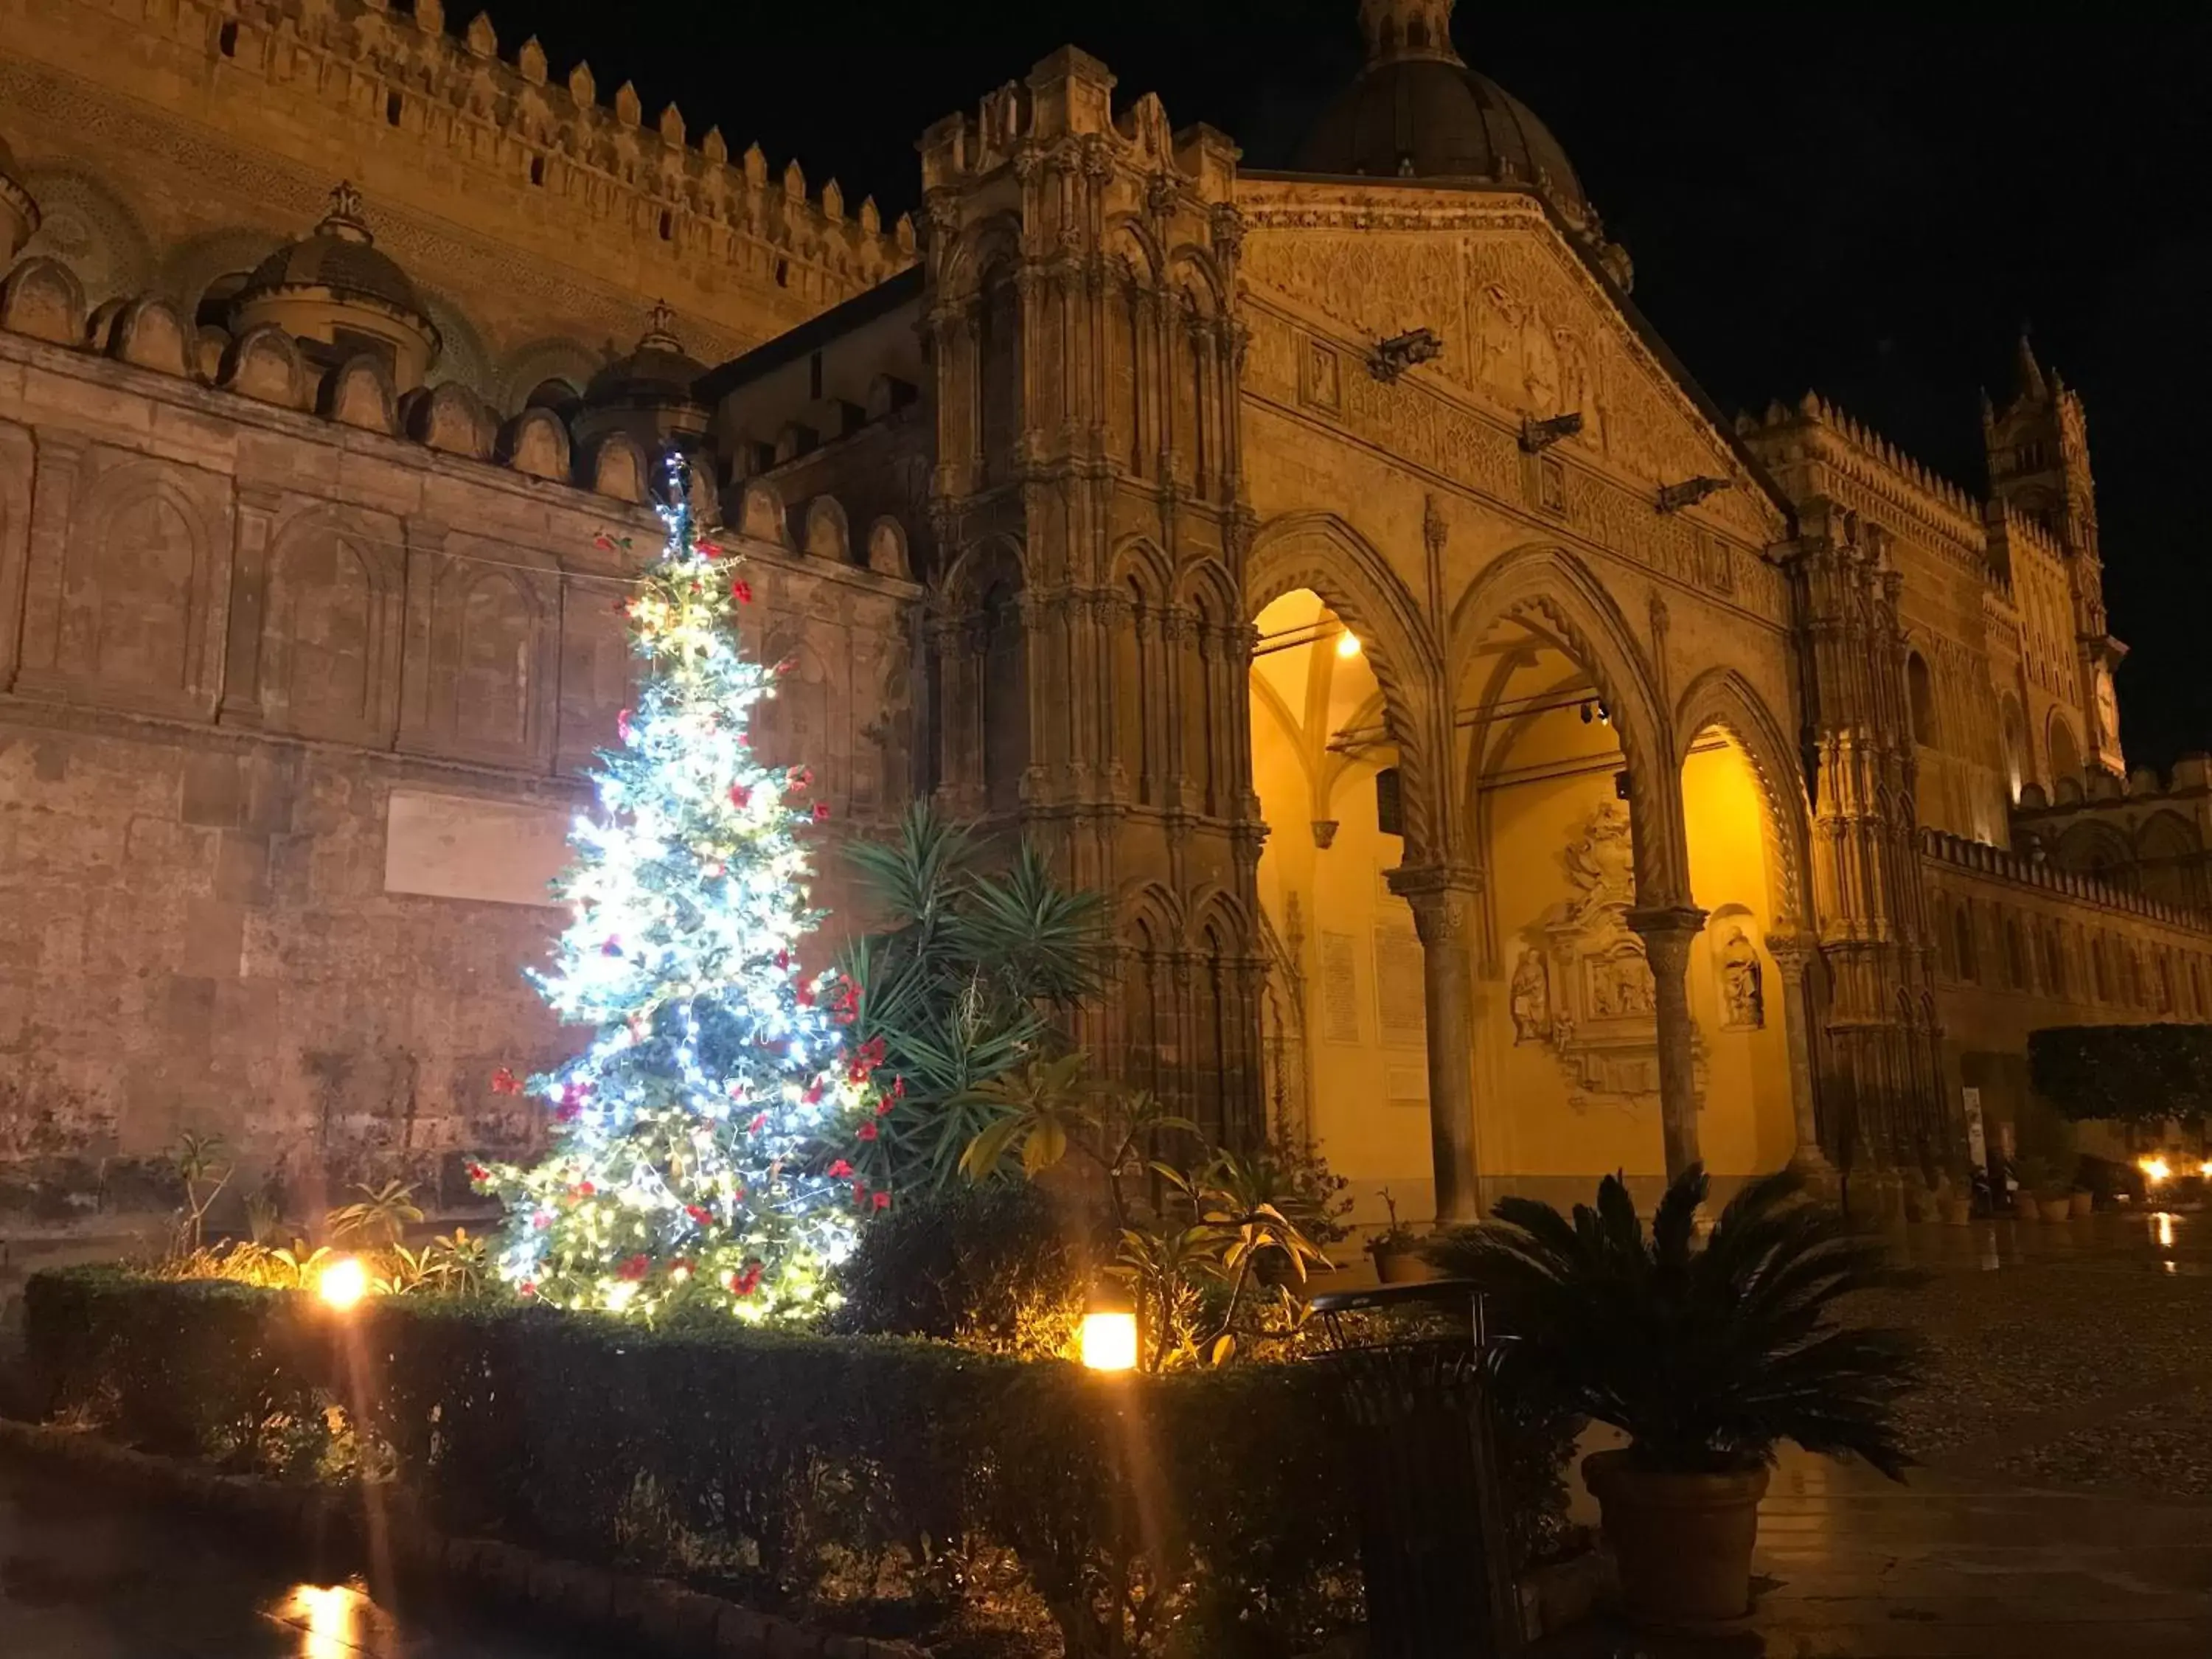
<point x="1504" y="767"/>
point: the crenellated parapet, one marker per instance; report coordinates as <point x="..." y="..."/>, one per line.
<point x="1817" y="430"/>
<point x="534" y="201"/>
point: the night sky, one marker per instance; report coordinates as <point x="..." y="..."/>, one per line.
<point x="1872" y="205"/>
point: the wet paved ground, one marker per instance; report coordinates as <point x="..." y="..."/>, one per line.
<point x="2066" y="1509"/>
<point x="81" y="1576"/>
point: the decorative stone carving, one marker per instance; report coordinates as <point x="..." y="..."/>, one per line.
<point x="358" y="392"/>
<point x="887" y="554"/>
<point x="618" y="468"/>
<point x="148" y="334"/>
<point x="43" y="299"/>
<point x="760" y="512"/>
<point x="827" y="537"/>
<point x="449" y="417"/>
<point x="264" y="364"/>
<point x="1743" y="986"/>
<point x="1583" y="983"/>
<point x="1532" y="997"/>
<point x="535" y="442"/>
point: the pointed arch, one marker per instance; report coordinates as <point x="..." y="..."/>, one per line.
<point x="1722" y="698"/>
<point x="1551" y="591"/>
<point x="1319" y="550"/>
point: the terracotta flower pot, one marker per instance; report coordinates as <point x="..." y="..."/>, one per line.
<point x="2058" y="1209"/>
<point x="2084" y="1204"/>
<point x="1683" y="1542"/>
<point x="1958" y="1211"/>
<point x="1403" y="1268"/>
<point x="2024" y="1206"/>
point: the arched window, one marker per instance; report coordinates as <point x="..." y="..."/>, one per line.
<point x="2015" y="955"/>
<point x="1920" y="692"/>
<point x="1962" y="925"/>
<point x="2100" y="968"/>
<point x="2065" y="751"/>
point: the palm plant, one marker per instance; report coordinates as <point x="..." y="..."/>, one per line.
<point x="972" y="978"/>
<point x="1708" y="1356"/>
<point x="380" y="1217"/>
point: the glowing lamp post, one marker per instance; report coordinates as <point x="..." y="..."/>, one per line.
<point x="343" y="1284"/>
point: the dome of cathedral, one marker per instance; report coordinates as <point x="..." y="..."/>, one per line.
<point x="338" y="294"/>
<point x="1418" y="112"/>
<point x="648" y="392"/>
<point x="658" y="370"/>
<point x="341" y="255"/>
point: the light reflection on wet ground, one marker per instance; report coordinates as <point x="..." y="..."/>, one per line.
<point x="85" y="1576"/>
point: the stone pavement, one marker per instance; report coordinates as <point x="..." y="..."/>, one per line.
<point x="81" y="1576"/>
<point x="2064" y="1511"/>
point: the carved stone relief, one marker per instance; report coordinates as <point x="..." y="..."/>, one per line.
<point x="1583" y="984"/>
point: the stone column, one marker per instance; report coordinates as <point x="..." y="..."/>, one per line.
<point x="1793" y="955"/>
<point x="1444" y="899"/>
<point x="1667" y="931"/>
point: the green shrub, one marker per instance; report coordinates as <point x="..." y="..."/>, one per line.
<point x="871" y="1483"/>
<point x="1205" y="1511"/>
<point x="991" y="1267"/>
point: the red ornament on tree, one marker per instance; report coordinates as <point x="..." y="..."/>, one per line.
<point x="504" y="1082"/>
<point x="868" y="1132"/>
<point x="743" y="589"/>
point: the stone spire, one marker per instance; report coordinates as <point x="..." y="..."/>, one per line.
<point x="2027" y="373"/>
<point x="1398" y="30"/>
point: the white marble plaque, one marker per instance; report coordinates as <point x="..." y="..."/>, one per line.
<point x="464" y="847"/>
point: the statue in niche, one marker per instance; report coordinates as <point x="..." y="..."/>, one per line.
<point x="1532" y="997"/>
<point x="1743" y="990"/>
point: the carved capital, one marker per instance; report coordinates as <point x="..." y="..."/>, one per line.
<point x="1443" y="897"/>
<point x="1667" y="931"/>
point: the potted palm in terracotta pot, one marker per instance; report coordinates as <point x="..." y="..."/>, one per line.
<point x="1706" y="1356"/>
<point x="1397" y="1250"/>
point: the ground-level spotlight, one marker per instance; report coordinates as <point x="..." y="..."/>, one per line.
<point x="1109" y="1332"/>
<point x="343" y="1284"/>
<point x="2154" y="1170"/>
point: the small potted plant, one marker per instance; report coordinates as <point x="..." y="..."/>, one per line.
<point x="1397" y="1250"/>
<point x="1706" y="1357"/>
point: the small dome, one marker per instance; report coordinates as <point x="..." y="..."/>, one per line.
<point x="658" y="370"/>
<point x="341" y="255"/>
<point x="1418" y="112"/>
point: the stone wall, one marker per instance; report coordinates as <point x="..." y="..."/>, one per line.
<point x="291" y="711"/>
<point x="173" y="143"/>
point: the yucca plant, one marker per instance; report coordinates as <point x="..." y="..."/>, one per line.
<point x="974" y="977"/>
<point x="1707" y="1355"/>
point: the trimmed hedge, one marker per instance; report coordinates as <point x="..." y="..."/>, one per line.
<point x="2123" y="1073"/>
<point x="1140" y="1515"/>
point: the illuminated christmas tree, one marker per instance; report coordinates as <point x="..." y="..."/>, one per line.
<point x="699" y="1155"/>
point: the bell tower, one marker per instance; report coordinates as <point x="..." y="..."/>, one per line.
<point x="2038" y="450"/>
<point x="1089" y="650"/>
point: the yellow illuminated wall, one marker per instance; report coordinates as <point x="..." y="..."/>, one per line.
<point x="1317" y="750"/>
